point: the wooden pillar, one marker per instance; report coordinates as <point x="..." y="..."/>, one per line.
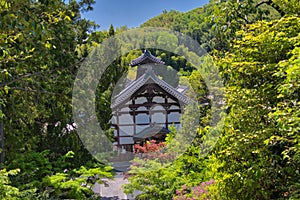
<point x="134" y="118"/>
<point x="118" y="127"/>
<point x="167" y="112"/>
<point x="167" y="119"/>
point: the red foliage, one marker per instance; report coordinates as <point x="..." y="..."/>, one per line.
<point x="152" y="150"/>
<point x="150" y="146"/>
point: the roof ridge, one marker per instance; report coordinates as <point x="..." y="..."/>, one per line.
<point x="146" y="55"/>
<point x="129" y="86"/>
<point x="128" y="91"/>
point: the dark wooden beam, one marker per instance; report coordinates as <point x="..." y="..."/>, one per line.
<point x="153" y="104"/>
<point x="146" y="112"/>
<point x="146" y="124"/>
<point x="118" y="130"/>
<point x="151" y="88"/>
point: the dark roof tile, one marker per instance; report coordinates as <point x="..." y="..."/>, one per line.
<point x="145" y="58"/>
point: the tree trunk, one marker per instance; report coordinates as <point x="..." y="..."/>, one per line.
<point x="2" y="140"/>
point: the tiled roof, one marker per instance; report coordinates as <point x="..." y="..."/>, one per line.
<point x="146" y="57"/>
<point x="148" y="77"/>
<point x="150" y="132"/>
<point x="182" y="89"/>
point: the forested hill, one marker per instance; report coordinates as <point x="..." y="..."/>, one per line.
<point x="196" y="23"/>
<point x="214" y="22"/>
<point x="182" y="21"/>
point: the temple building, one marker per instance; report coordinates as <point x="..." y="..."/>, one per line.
<point x="147" y="106"/>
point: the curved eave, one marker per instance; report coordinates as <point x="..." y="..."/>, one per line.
<point x="134" y="86"/>
<point x="145" y="58"/>
<point x="150" y="132"/>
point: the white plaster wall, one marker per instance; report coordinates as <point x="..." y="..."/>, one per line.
<point x="140" y="100"/>
<point x="158" y="100"/>
<point x="126" y="140"/>
<point x="126" y="130"/>
<point x="158" y="118"/>
<point x="174" y="117"/>
<point x="125" y="119"/>
<point x="139" y="128"/>
<point x="142" y="118"/>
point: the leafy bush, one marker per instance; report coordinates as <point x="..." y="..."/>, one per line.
<point x="74" y="184"/>
<point x="199" y="192"/>
<point x="7" y="191"/>
<point x="38" y="178"/>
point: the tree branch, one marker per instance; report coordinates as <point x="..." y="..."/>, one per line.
<point x="22" y="77"/>
<point x="3" y="84"/>
<point x="273" y="5"/>
<point x="36" y="91"/>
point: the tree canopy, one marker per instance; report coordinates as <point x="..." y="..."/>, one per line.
<point x="255" y="46"/>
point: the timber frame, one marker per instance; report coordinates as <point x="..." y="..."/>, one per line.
<point x="147" y="107"/>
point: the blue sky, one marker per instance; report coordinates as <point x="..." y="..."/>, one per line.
<point x="134" y="12"/>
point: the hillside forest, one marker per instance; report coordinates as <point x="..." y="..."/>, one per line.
<point x="255" y="45"/>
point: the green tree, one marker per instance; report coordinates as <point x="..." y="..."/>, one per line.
<point x="231" y="16"/>
<point x="111" y="31"/>
<point x="257" y="157"/>
<point x="38" y="63"/>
